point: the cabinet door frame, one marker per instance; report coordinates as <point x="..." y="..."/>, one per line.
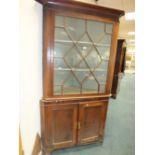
<point x="48" y="124"/>
<point x="82" y="107"/>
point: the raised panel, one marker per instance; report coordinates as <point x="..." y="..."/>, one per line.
<point x="63" y="126"/>
<point x="92" y="117"/>
<point x="60" y="125"/>
<point x="92" y="124"/>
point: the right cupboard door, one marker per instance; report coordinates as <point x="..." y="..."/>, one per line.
<point x="92" y="116"/>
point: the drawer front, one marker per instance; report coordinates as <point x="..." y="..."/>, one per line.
<point x="92" y="116"/>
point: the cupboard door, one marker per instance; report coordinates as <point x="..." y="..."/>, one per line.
<point x="92" y="117"/>
<point x="60" y="125"/>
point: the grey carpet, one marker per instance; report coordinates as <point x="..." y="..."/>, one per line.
<point x="120" y="125"/>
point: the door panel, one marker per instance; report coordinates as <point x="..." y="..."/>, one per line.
<point x="61" y="129"/>
<point x="92" y="117"/>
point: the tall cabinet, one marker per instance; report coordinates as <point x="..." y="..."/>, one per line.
<point x="79" y="51"/>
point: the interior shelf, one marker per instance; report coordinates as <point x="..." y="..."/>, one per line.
<point x="78" y="69"/>
<point x="82" y="42"/>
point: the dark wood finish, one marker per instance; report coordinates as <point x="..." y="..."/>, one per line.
<point x="70" y="120"/>
<point x="91" y="122"/>
<point x="82" y="8"/>
<point x="119" y="66"/>
<point x="112" y="58"/>
<point x="48" y="50"/>
<point x="77" y="98"/>
<point x="59" y="125"/>
<point x="48" y="47"/>
<point x="69" y="124"/>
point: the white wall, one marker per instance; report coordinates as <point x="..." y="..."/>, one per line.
<point x="30" y="71"/>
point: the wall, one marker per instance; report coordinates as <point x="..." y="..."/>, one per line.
<point x="30" y="71"/>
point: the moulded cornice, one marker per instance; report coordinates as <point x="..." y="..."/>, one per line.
<point x="83" y="7"/>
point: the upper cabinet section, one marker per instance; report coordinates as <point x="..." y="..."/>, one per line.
<point x="79" y="48"/>
<point x="83" y="8"/>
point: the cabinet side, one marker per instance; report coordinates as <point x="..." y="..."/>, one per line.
<point x="48" y="47"/>
<point x="112" y="59"/>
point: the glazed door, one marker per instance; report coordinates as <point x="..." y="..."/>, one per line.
<point x="60" y="125"/>
<point x="92" y="117"/>
<point x="81" y="55"/>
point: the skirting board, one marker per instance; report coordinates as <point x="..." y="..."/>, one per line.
<point x="21" y="152"/>
<point x="37" y="145"/>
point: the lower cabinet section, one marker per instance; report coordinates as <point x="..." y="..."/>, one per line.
<point x="69" y="124"/>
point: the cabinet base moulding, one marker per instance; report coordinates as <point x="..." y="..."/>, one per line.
<point x="48" y="151"/>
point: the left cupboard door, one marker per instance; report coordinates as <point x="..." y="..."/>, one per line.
<point x="59" y="125"/>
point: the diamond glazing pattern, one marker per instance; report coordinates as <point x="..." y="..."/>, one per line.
<point x="81" y="54"/>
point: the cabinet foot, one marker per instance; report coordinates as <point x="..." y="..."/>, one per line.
<point x="101" y="142"/>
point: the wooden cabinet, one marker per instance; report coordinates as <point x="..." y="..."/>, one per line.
<point x="79" y="51"/>
<point x="119" y="66"/>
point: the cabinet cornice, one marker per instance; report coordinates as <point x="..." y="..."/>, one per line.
<point x="83" y="7"/>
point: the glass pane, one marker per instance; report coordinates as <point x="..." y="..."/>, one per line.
<point x="81" y="74"/>
<point x="60" y="76"/>
<point x="102" y="88"/>
<point x="82" y="65"/>
<point x="109" y="28"/>
<point x="103" y="66"/>
<point x="61" y="49"/>
<point x="59" y="63"/>
<point x="81" y="54"/>
<point x="95" y="30"/>
<point x="104" y="51"/>
<point x="85" y="45"/>
<point x="72" y="57"/>
<point x="106" y="40"/>
<point x="59" y="21"/>
<point x="57" y="89"/>
<point x="90" y="85"/>
<point x="100" y="75"/>
<point x="61" y="35"/>
<point x="71" y="86"/>
<point x="93" y="59"/>
<point x="75" y="27"/>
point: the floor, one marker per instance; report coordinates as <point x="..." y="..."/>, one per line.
<point x="119" y="134"/>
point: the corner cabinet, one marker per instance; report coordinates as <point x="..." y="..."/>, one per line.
<point x="79" y="50"/>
